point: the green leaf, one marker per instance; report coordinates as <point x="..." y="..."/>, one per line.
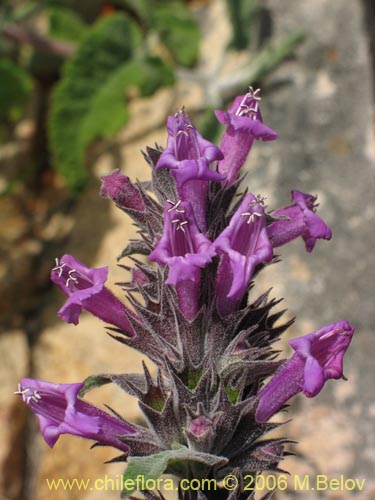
<point x="178" y="31"/>
<point x="242" y="14"/>
<point x="233" y="394"/>
<point x="26" y="10"/>
<point x="104" y="48"/>
<point x="209" y="126"/>
<point x="140" y="8"/>
<point x="271" y="56"/>
<point x="108" y="110"/>
<point x="65" y="24"/>
<point x="15" y="89"/>
<point x="93" y="382"/>
<point x="153" y="466"/>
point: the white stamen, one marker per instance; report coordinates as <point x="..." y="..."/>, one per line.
<point x="254" y="94"/>
<point x="21" y="392"/>
<point x="253" y="108"/>
<point x="259" y="200"/>
<point x="180" y="224"/>
<point x="36" y="397"/>
<point x="74" y="279"/>
<point x="26" y="398"/>
<point x="175" y="207"/>
<point x="184" y="132"/>
<point x="328" y="334"/>
<point x="59" y="266"/>
<point x="251" y="216"/>
<point x="180" y="112"/>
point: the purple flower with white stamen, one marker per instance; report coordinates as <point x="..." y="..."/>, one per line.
<point x="182" y="246"/>
<point x="244" y="244"/>
<point x="61" y="411"/>
<point x="188" y="154"/>
<point x="185" y="250"/>
<point x="318" y="357"/>
<point x="244" y="124"/>
<point x="301" y="220"/>
<point x="85" y="289"/>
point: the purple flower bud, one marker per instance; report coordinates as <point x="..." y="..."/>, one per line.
<point x="118" y="187"/>
<point x="187" y="154"/>
<point x="244" y="125"/>
<point x="245" y="244"/>
<point x="60" y="411"/>
<point x="185" y="250"/>
<point x="85" y="289"/>
<point x="303" y="221"/>
<point x="318" y="357"/>
<point x="200" y="426"/>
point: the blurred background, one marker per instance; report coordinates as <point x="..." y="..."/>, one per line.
<point x="84" y="86"/>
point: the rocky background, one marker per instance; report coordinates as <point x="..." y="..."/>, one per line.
<point x="321" y="102"/>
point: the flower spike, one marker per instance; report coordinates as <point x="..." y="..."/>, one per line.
<point x="219" y="381"/>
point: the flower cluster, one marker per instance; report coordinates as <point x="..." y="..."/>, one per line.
<point x="218" y="381"/>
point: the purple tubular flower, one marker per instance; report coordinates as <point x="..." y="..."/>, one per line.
<point x="185" y="250"/>
<point x="187" y="154"/>
<point x="118" y="187"/>
<point x="244" y="125"/>
<point x="60" y="411"/>
<point x="85" y="289"/>
<point x="303" y="221"/>
<point x="245" y="244"/>
<point x="318" y="357"/>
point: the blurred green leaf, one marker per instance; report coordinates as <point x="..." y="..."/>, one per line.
<point x="178" y="31"/>
<point x="26" y="10"/>
<point x="105" y="47"/>
<point x="65" y="24"/>
<point x="141" y="8"/>
<point x="242" y="14"/>
<point x="209" y="125"/>
<point x="108" y="108"/>
<point x="15" y="88"/>
<point x="272" y="55"/>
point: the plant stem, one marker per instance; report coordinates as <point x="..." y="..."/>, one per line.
<point x="39" y="42"/>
